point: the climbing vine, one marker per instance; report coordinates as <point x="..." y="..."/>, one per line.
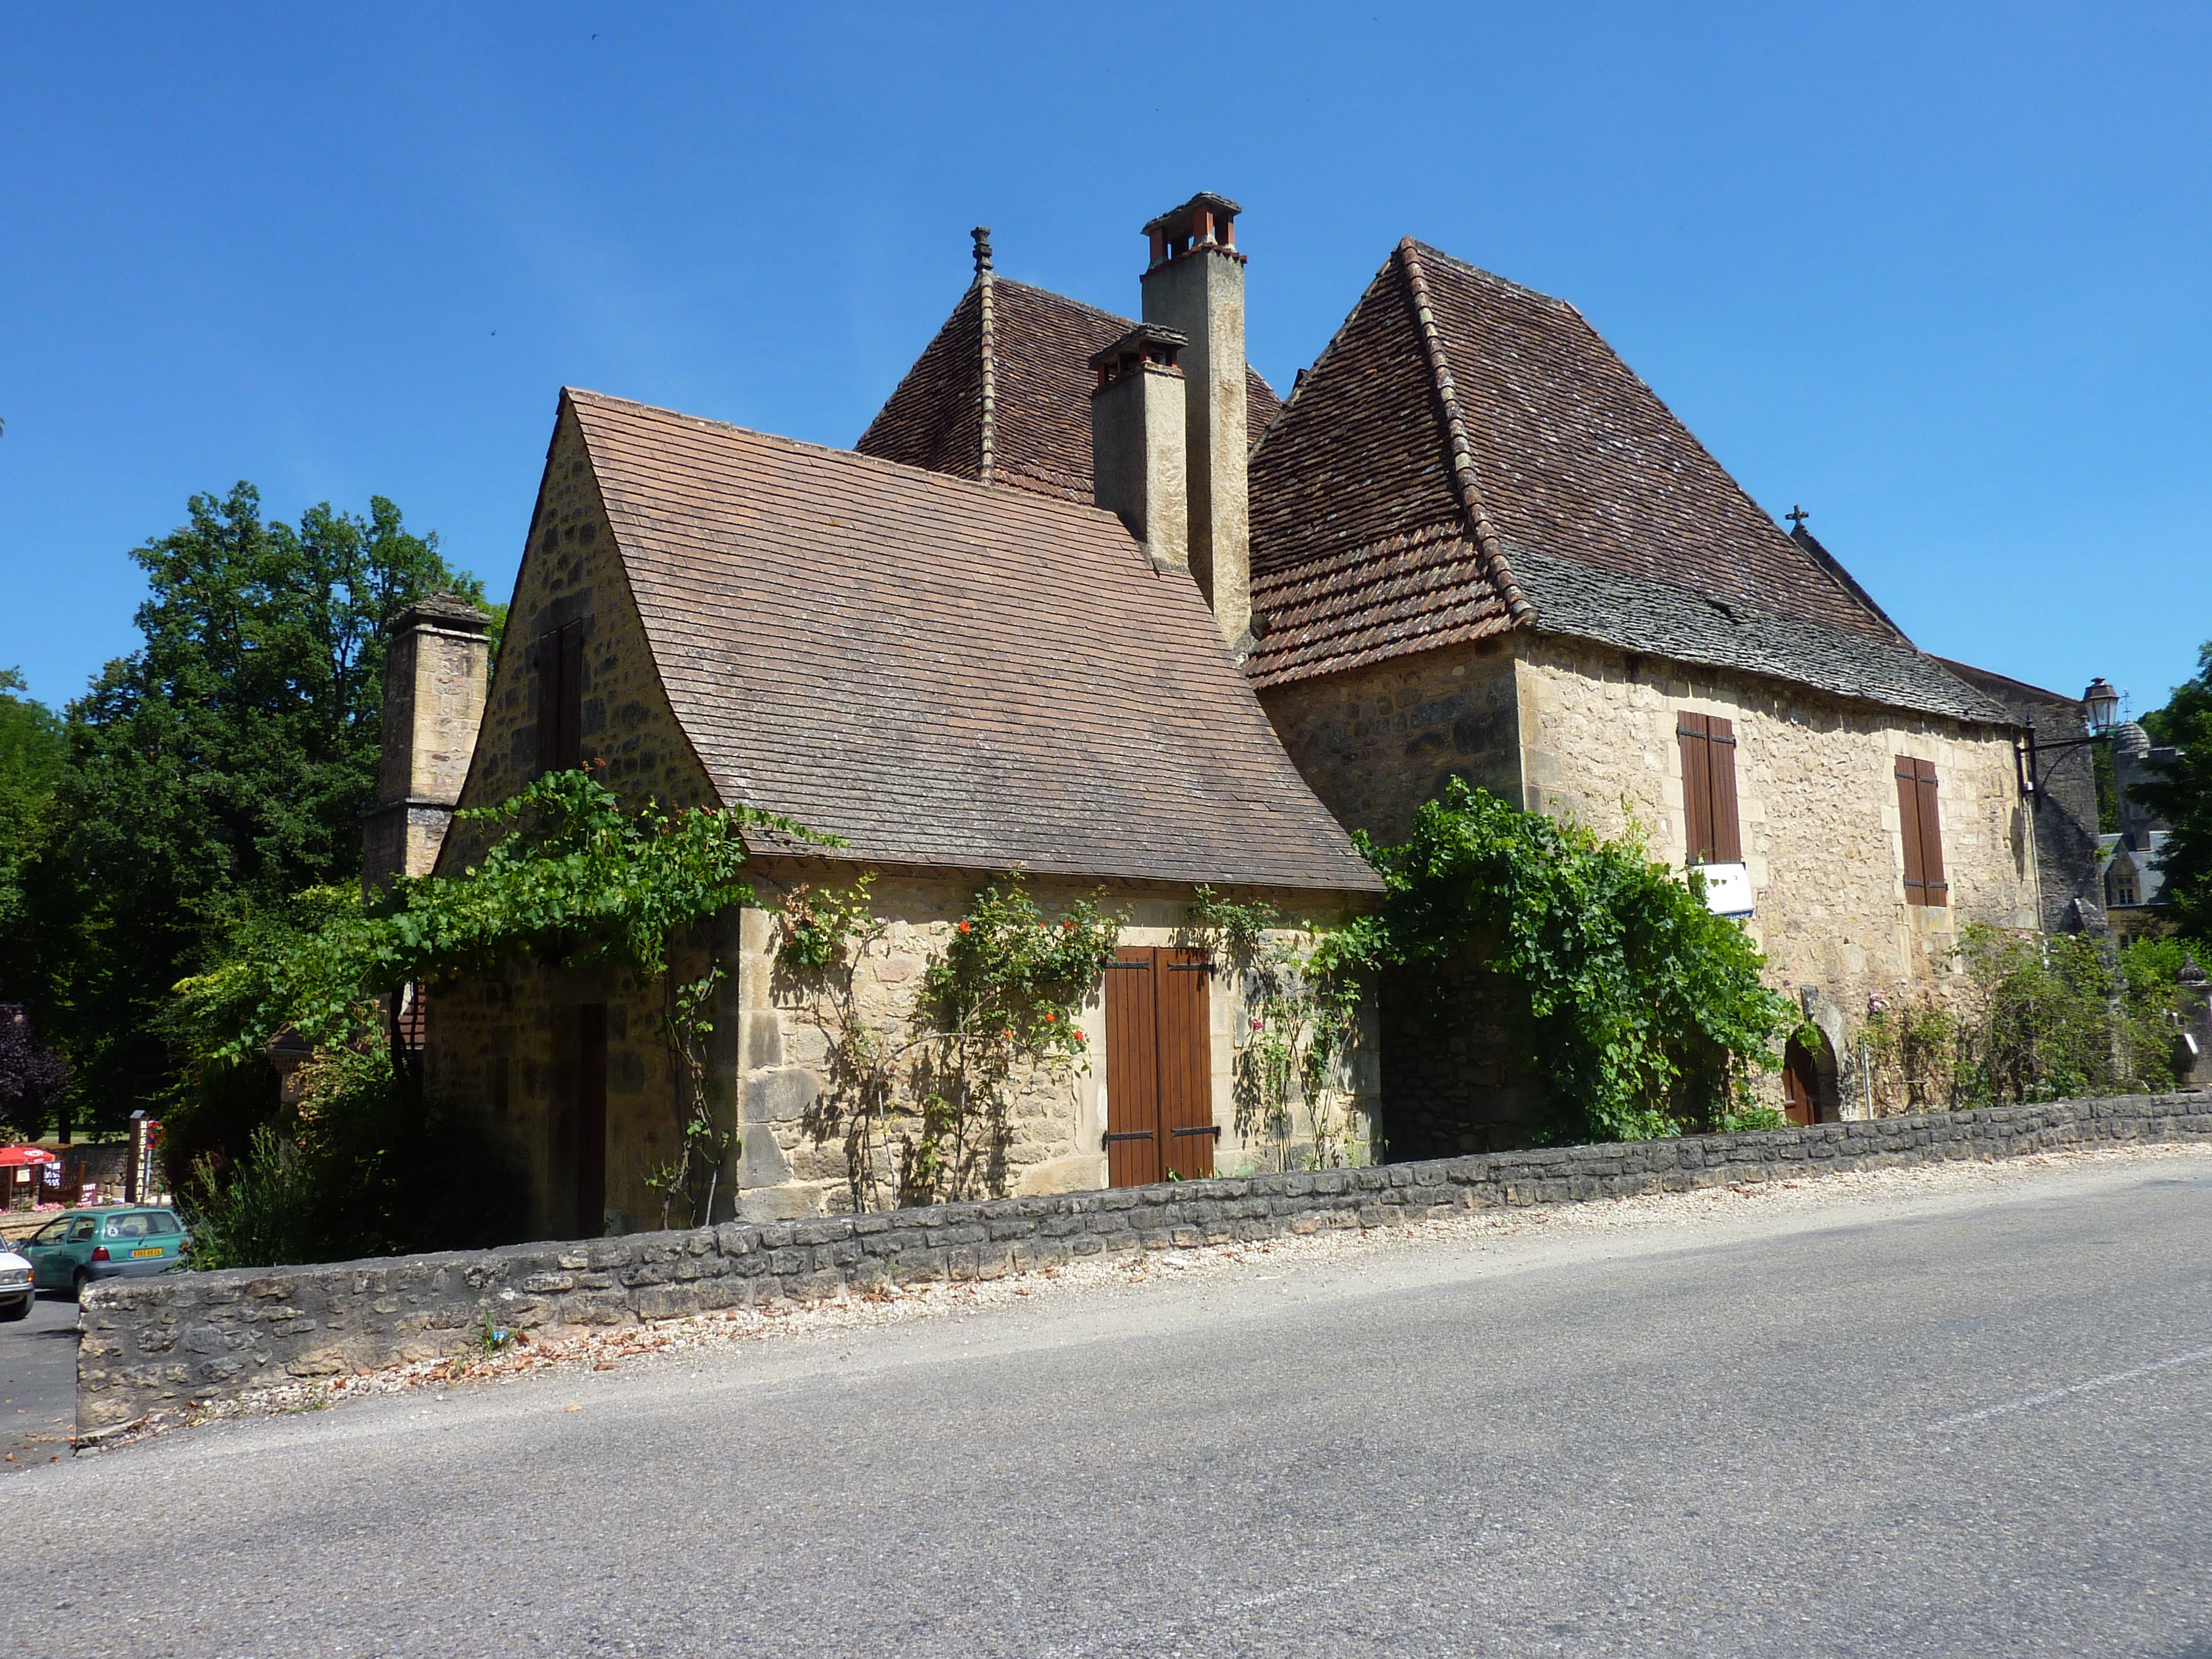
<point x="924" y="1100"/>
<point x="1642" y="1011"/>
<point x="575" y="878"/>
<point x="1302" y="1018"/>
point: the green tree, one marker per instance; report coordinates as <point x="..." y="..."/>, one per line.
<point x="33" y="749"/>
<point x="2183" y="796"/>
<point x="221" y="766"/>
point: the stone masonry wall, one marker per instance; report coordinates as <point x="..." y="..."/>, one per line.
<point x="505" y="1049"/>
<point x="154" y="1346"/>
<point x="1817" y="803"/>
<point x="1376" y="742"/>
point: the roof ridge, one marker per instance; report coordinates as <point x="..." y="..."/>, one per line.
<point x="1427" y="252"/>
<point x="859" y="458"/>
<point x="1465" y="485"/>
<point x="987" y="465"/>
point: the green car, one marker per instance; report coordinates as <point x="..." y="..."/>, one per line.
<point x="72" y="1251"/>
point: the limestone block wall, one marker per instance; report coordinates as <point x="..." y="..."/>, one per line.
<point x="791" y="1087"/>
<point x="573" y="572"/>
<point x="1817" y="801"/>
<point x="505" y="1051"/>
<point x="1376" y="742"/>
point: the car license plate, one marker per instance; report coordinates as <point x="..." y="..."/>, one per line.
<point x="156" y="1250"/>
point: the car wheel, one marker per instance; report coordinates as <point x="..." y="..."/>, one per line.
<point x="76" y="1284"/>
<point x="17" y="1309"/>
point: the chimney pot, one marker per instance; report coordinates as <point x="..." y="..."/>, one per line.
<point x="1195" y="287"/>
<point x="1137" y="448"/>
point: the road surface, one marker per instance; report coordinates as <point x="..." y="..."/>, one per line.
<point x="1963" y="1420"/>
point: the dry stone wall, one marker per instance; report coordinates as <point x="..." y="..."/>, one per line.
<point x="156" y="1345"/>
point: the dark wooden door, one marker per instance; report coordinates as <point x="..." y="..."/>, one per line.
<point x="1800" y="1085"/>
<point x="591" y="1120"/>
<point x="1159" y="1094"/>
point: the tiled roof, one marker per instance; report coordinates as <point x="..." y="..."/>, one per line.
<point x="1041" y="348"/>
<point x="945" y="674"/>
<point x="1468" y="455"/>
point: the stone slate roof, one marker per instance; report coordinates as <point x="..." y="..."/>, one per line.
<point x="1469" y="456"/>
<point x="1040" y="350"/>
<point x="945" y="675"/>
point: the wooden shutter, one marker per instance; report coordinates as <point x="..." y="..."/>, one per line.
<point x="1133" y="1069"/>
<point x="572" y="697"/>
<point x="1908" y="824"/>
<point x="558" y="660"/>
<point x="1931" y="835"/>
<point x="1708" y="811"/>
<point x="1720" y="767"/>
<point x="1691" y="732"/>
<point x="1186" y="1089"/>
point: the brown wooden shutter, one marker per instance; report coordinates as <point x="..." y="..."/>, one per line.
<point x="1133" y="1069"/>
<point x="1720" y="765"/>
<point x="1931" y="835"/>
<point x="558" y="658"/>
<point x="572" y="695"/>
<point x="1691" y="733"/>
<point x="1187" y="1127"/>
<point x="1908" y="824"/>
<point x="545" y="674"/>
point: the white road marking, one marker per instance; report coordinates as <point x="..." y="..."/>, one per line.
<point x="2193" y="1357"/>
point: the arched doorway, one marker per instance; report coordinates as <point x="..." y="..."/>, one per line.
<point x="1808" y="1083"/>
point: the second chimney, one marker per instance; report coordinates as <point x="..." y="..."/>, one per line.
<point x="1195" y="286"/>
<point x="1137" y="454"/>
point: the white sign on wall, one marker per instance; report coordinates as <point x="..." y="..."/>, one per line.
<point x="1727" y="889"/>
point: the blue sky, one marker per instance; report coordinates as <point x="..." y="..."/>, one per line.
<point x="1940" y="275"/>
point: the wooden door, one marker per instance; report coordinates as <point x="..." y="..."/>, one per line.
<point x="1160" y="1092"/>
<point x="591" y="1120"/>
<point x="1800" y="1085"/>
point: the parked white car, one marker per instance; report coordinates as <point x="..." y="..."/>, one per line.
<point x="15" y="1293"/>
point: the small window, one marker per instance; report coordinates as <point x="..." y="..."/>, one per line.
<point x="158" y="1222"/>
<point x="1920" y="828"/>
<point x="127" y="1226"/>
<point x="1710" y="832"/>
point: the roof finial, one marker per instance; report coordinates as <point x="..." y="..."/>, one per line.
<point x="1796" y="516"/>
<point x="982" y="235"/>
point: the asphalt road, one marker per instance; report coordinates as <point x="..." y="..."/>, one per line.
<point x="38" y="1385"/>
<point x="1961" y="1424"/>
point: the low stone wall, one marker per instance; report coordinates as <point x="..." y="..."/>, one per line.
<point x="160" y="1344"/>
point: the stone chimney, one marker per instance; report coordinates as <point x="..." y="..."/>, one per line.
<point x="1137" y="448"/>
<point x="1195" y="286"/>
<point x="435" y="672"/>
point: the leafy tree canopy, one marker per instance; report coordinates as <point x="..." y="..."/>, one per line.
<point x="2183" y="796"/>
<point x="223" y="764"/>
<point x="33" y="749"/>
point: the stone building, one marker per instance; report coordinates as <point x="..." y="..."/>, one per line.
<point x="1480" y="548"/>
<point x="956" y="681"/>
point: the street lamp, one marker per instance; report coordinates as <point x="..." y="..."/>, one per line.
<point x="2102" y="704"/>
<point x="2101" y="707"/>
